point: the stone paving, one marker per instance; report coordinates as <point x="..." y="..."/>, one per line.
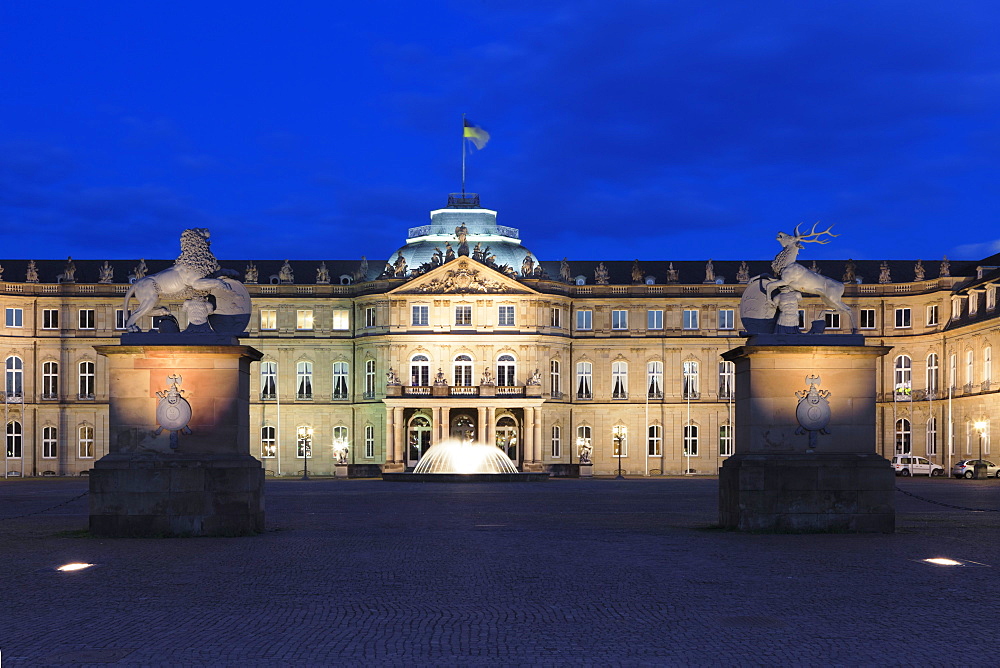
<point x="562" y="573"/>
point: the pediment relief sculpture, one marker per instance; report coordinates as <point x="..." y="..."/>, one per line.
<point x="464" y="279"/>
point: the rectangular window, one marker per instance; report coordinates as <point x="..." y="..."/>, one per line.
<point x="953" y="371"/>
<point x="727" y="380"/>
<point x="304" y="380"/>
<point x="268" y="443"/>
<point x="556" y="442"/>
<point x="991" y="298"/>
<point x="987" y="367"/>
<point x="903" y="318"/>
<point x="931" y="437"/>
<point x="690" y="380"/>
<point x="87" y="318"/>
<point x="691" y="440"/>
<point x="304" y="320"/>
<point x="506" y="316"/>
<point x="341" y="319"/>
<point x="832" y="319"/>
<point x="584" y="380"/>
<point x="268" y="380"/>
<point x="584" y="320"/>
<point x="121" y="318"/>
<point x="50" y="318"/>
<point x="555" y="319"/>
<point x="727" y="318"/>
<point x="726" y="448"/>
<point x="14" y="442"/>
<point x="654" y="319"/>
<point x="619" y="320"/>
<point x="654" y="380"/>
<point x="932" y="315"/>
<point x="654" y="440"/>
<point x="50" y="380"/>
<point x="50" y="443"/>
<point x="690" y="320"/>
<point x="268" y="319"/>
<point x="420" y="315"/>
<point x="619" y="380"/>
<point x="15" y="317"/>
<point x="463" y="316"/>
<point x="86" y="384"/>
<point x="86" y="442"/>
<point x="369" y="441"/>
<point x="340" y="370"/>
<point x="970" y="367"/>
<point x="555" y="379"/>
<point x="369" y="316"/>
<point x="973" y="302"/>
<point x="867" y="318"/>
<point x="370" y="379"/>
<point x="619" y="441"/>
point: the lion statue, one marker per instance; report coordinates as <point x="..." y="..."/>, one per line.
<point x="189" y="272"/>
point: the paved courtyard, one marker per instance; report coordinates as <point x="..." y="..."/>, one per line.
<point x="567" y="572"/>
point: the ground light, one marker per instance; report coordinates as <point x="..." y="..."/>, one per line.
<point x="943" y="561"/>
<point x="75" y="566"/>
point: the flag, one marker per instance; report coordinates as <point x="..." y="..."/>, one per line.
<point x="475" y="134"/>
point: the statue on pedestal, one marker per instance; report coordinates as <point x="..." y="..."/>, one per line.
<point x="743" y="274"/>
<point x="918" y="271"/>
<point x="601" y="275"/>
<point x="250" y="275"/>
<point x="285" y="274"/>
<point x="945" y="270"/>
<point x="672" y="274"/>
<point x="564" y="273"/>
<point x="107" y="273"/>
<point x="69" y="273"/>
<point x="637" y="277"/>
<point x="322" y="274"/>
<point x="849" y="272"/>
<point x="391" y="378"/>
<point x="361" y="274"/>
<point x="883" y="273"/>
<point x="31" y="276"/>
<point x="449" y="252"/>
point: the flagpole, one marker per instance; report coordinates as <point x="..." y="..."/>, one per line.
<point x="463" y="156"/>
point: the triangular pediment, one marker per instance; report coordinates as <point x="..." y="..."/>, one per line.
<point x="463" y="276"/>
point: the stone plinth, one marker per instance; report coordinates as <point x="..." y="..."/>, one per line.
<point x="202" y="483"/>
<point x="777" y="480"/>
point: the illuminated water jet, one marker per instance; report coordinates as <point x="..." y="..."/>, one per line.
<point x="455" y="460"/>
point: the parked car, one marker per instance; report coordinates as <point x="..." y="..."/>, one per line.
<point x="907" y="465"/>
<point x="967" y="468"/>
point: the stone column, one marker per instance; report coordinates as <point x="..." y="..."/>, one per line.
<point x="390" y="436"/>
<point x="481" y="425"/>
<point x="435" y="425"/>
<point x="400" y="438"/>
<point x="538" y="435"/>
<point x="527" y="436"/>
<point x="445" y="422"/>
<point x="491" y="427"/>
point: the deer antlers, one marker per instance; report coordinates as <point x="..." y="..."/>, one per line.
<point x="812" y="236"/>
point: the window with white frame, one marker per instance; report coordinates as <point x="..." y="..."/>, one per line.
<point x="555" y="318"/>
<point x="341" y="319"/>
<point x="50" y="318"/>
<point x="506" y="370"/>
<point x="369" y="379"/>
<point x="303" y="380"/>
<point x="14" y="376"/>
<point x="969" y="430"/>
<point x="931" y="437"/>
<point x="304" y="320"/>
<point x="931" y="378"/>
<point x="463" y="371"/>
<point x="690" y="440"/>
<point x="268" y="380"/>
<point x="619" y="319"/>
<point x="50" y="442"/>
<point x="584" y="380"/>
<point x="726" y="445"/>
<point x="463" y="316"/>
<point x="555" y="379"/>
<point x="303" y="442"/>
<point x="14" y="440"/>
<point x="654" y="319"/>
<point x="727" y="318"/>
<point x="556" y="441"/>
<point x="268" y="442"/>
<point x="619" y="380"/>
<point x="14" y="317"/>
<point x="50" y="380"/>
<point x="583" y="438"/>
<point x="973" y="302"/>
<point x="505" y="316"/>
<point x="987" y="364"/>
<point x="654" y="440"/>
<point x="970" y="367"/>
<point x="904" y="443"/>
<point x="727" y="379"/>
<point x="953" y="371"/>
<point x="903" y="318"/>
<point x="832" y="319"/>
<point x="584" y="320"/>
<point x="985" y="435"/>
<point x="903" y="377"/>
<point x="956" y="308"/>
<point x="420" y="371"/>
<point x="689" y="388"/>
<point x="341" y="374"/>
<point x="654" y="379"/>
<point x="268" y="319"/>
<point x="369" y="441"/>
<point x="369" y="316"/>
<point x="932" y="315"/>
<point x="88" y="318"/>
<point x="991" y="298"/>
<point x="85" y="441"/>
<point x="866" y="318"/>
<point x="619" y="441"/>
<point x="121" y="318"/>
<point x="341" y="437"/>
<point x="690" y="319"/>
<point x="86" y="380"/>
<point x="420" y="315"/>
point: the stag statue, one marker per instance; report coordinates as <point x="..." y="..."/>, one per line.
<point x="796" y="277"/>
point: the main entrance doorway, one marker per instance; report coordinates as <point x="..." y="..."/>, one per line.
<point x="418" y="439"/>
<point x="463" y="427"/>
<point x="507" y="438"/>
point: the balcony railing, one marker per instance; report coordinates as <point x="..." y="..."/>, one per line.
<point x="417" y="390"/>
<point x="463" y="391"/>
<point x="510" y="391"/>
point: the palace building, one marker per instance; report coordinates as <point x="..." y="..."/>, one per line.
<point x="463" y="332"/>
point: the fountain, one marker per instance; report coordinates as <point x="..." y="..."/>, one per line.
<point x="456" y="460"/>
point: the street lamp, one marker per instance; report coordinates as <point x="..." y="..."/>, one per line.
<point x="979" y="470"/>
<point x="305" y="435"/>
<point x="618" y="434"/>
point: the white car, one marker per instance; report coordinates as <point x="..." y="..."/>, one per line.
<point x="907" y="465"/>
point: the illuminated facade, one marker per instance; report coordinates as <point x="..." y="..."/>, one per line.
<point x="465" y="333"/>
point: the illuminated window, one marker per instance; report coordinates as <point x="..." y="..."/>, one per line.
<point x="987" y="364"/>
<point x="654" y="440"/>
<point x="50" y="380"/>
<point x="50" y="442"/>
<point x="88" y="318"/>
<point x="50" y="318"/>
<point x="690" y="319"/>
<point x="902" y="378"/>
<point x="619" y="441"/>
<point x="85" y="441"/>
<point x="584" y="320"/>
<point x="303" y="380"/>
<point x="619" y="320"/>
<point x="341" y="319"/>
<point x="970" y="366"/>
<point x="867" y="318"/>
<point x="727" y="318"/>
<point x="556" y="442"/>
<point x="506" y="370"/>
<point x="14" y="375"/>
<point x="420" y="314"/>
<point x="654" y="380"/>
<point x="726" y="446"/>
<point x="583" y="439"/>
<point x="303" y="442"/>
<point x="268" y="319"/>
<point x="619" y="380"/>
<point x="584" y="380"/>
<point x="86" y="380"/>
<point x="689" y="381"/>
<point x="463" y="316"/>
<point x="727" y="379"/>
<point x="463" y="371"/>
<point x="268" y="442"/>
<point x="654" y="319"/>
<point x="304" y="320"/>
<point x="691" y="440"/>
<point x="268" y="380"/>
<point x="903" y="437"/>
<point x="369" y="441"/>
<point x="420" y="371"/>
<point x="340" y="385"/>
<point x="14" y="317"/>
<point x="14" y="443"/>
<point x="506" y="316"/>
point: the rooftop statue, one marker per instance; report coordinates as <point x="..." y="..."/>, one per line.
<point x="361" y="275"/>
<point x="672" y="274"/>
<point x="449" y="252"/>
<point x="69" y="273"/>
<point x="1" y="272"/>
<point x="601" y="275"/>
<point x="31" y="276"/>
<point x="565" y="275"/>
<point x="250" y="275"/>
<point x="849" y="272"/>
<point x="709" y="272"/>
<point x="285" y="274"/>
<point x="637" y="277"/>
<point x="107" y="273"/>
<point x="139" y="271"/>
<point x="322" y="274"/>
<point x="883" y="273"/>
<point x="528" y="266"/>
<point x="743" y="274"/>
<point x="918" y="271"/>
<point x="945" y="270"/>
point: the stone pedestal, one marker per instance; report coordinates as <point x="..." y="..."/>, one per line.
<point x="586" y="470"/>
<point x="781" y="480"/>
<point x="202" y="483"/>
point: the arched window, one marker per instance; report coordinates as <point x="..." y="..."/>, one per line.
<point x="727" y="380"/>
<point x="690" y="380"/>
<point x="691" y="440"/>
<point x="970" y="367"/>
<point x="654" y="380"/>
<point x="268" y="380"/>
<point x="556" y="441"/>
<point x="369" y="441"/>
<point x="86" y="380"/>
<point x="50" y="380"/>
<point x="303" y="442"/>
<point x="303" y="380"/>
<point x="619" y="440"/>
<point x="369" y="379"/>
<point x="932" y="437"/>
<point x="463" y="371"/>
<point x="726" y="445"/>
<point x="555" y="380"/>
<point x="14" y="439"/>
<point x="654" y="440"/>
<point x="619" y="380"/>
<point x="340" y="376"/>
<point x="987" y="366"/>
<point x="50" y="442"/>
<point x="268" y="442"/>
<point x="584" y="380"/>
<point x="85" y="441"/>
<point x="903" y="437"/>
<point x="420" y="371"/>
<point x="902" y="377"/>
<point x="932" y="374"/>
<point x="506" y="370"/>
<point x="14" y="375"/>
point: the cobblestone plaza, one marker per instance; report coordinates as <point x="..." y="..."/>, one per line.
<point x="570" y="572"/>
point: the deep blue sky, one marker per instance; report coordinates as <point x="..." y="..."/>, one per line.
<point x="657" y="130"/>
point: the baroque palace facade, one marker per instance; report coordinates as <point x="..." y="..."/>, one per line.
<point x="465" y="334"/>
